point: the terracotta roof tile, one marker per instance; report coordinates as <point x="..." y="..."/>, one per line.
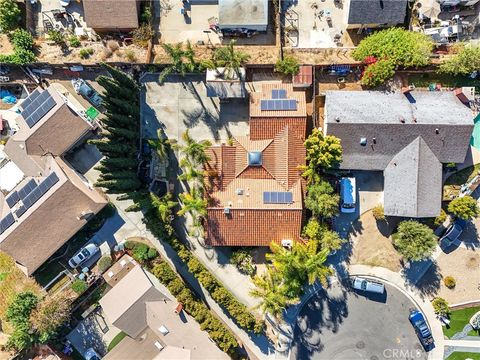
<point x="268" y="128"/>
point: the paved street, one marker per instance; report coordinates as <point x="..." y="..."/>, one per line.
<point x="349" y="325"/>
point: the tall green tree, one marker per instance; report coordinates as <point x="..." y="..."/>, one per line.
<point x="322" y="200"/>
<point x="327" y="239"/>
<point x="229" y="58"/>
<point x="304" y="263"/>
<point x="323" y="152"/>
<point x="464" y="208"/>
<point x="414" y="241"/>
<point x="9" y="15"/>
<point x="182" y="60"/>
<point x="466" y="61"/>
<point x="18" y="312"/>
<point x="195" y="151"/>
<point x="161" y="145"/>
<point x="193" y="203"/>
<point x="49" y="315"/>
<point x="271" y="292"/>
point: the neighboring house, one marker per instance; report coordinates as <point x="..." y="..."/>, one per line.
<point x="43" y="200"/>
<point x="256" y="192"/>
<point x="408" y="136"/>
<point x="364" y="14"/>
<point x="111" y="16"/>
<point x="243" y="14"/>
<point x="155" y="323"/>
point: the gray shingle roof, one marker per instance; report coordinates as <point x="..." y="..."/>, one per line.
<point x="440" y="118"/>
<point x="413" y="182"/>
<point x="377" y="11"/>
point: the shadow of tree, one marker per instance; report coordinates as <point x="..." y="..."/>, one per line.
<point x="428" y="283"/>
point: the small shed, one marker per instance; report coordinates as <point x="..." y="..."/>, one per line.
<point x="304" y="78"/>
<point x="243" y="14"/>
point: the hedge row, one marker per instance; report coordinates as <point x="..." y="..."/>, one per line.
<point x="215" y="328"/>
<point x="238" y="311"/>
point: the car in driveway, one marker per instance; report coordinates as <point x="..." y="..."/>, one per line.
<point x="83" y="255"/>
<point x="453" y="233"/>
<point x="91" y="354"/>
<point x="421" y="328"/>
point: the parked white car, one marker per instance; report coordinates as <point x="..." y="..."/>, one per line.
<point x="83" y="255"/>
<point x="363" y="284"/>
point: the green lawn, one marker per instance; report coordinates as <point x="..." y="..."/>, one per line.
<point x="464" y="355"/>
<point x="116" y="340"/>
<point x="458" y="320"/>
<point x="423" y="80"/>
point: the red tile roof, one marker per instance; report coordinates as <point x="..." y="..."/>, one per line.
<point x="266" y="94"/>
<point x="239" y="187"/>
<point x="304" y="78"/>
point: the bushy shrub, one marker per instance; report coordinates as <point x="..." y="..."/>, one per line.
<point x="440" y="306"/>
<point x="130" y="55"/>
<point x="208" y="322"/>
<point x="288" y="66"/>
<point x="85" y="53"/>
<point x="104" y="263"/>
<point x="243" y="260"/>
<point x="57" y="37"/>
<point x="79" y="286"/>
<point x="142" y="35"/>
<point x="143" y="253"/>
<point x="440" y="219"/>
<point x="449" y="282"/>
<point x="22" y="39"/>
<point x="74" y="41"/>
<point x="378" y="212"/>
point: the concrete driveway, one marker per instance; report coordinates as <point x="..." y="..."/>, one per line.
<point x="181" y="103"/>
<point x="369" y="194"/>
<point x="341" y="324"/>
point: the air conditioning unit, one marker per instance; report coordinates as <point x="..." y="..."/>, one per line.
<point x="287" y="244"/>
<point x="226" y="210"/>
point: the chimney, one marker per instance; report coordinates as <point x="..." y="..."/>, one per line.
<point x="178" y="308"/>
<point x="402" y="120"/>
<point x="437" y="131"/>
<point x="461" y="96"/>
<point x="337" y="119"/>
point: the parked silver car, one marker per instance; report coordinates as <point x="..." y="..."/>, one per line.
<point x="83" y="255"/>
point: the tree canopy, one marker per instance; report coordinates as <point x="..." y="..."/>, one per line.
<point x="466" y="61"/>
<point x="391" y="48"/>
<point x="464" y="208"/>
<point x="9" y="15"/>
<point x="414" y="241"/>
<point x="402" y="47"/>
<point x="319" y="232"/>
<point x="322" y="200"/>
<point x="288" y="66"/>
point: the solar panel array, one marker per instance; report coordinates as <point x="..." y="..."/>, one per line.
<point x="278" y="104"/>
<point x="6" y="222"/>
<point x="279" y="94"/>
<point x="20" y="211"/>
<point x="27" y="189"/>
<point x="12" y="199"/>
<point x="41" y="189"/>
<point x="37" y="109"/>
<point x="30" y="99"/>
<point x="277" y="197"/>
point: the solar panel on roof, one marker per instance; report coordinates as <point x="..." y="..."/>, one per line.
<point x="282" y="94"/>
<point x="278" y="105"/>
<point x="12" y="199"/>
<point x="40" y="190"/>
<point x="34" y="104"/>
<point x="20" y="211"/>
<point x="277" y="197"/>
<point x="6" y="222"/>
<point x="27" y="189"/>
<point x="30" y="99"/>
<point x="40" y="112"/>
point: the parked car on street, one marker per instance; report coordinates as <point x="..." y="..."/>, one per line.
<point x="453" y="233"/>
<point x="421" y="328"/>
<point x="363" y="284"/>
<point x="83" y="255"/>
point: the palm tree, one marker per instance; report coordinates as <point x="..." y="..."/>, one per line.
<point x="229" y="58"/>
<point x="163" y="206"/>
<point x="195" y="151"/>
<point x="191" y="174"/>
<point x="270" y="290"/>
<point x="193" y="203"/>
<point x="183" y="61"/>
<point x="315" y="263"/>
<point x="161" y="145"/>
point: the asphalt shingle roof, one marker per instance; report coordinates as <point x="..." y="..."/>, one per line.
<point x="377" y="11"/>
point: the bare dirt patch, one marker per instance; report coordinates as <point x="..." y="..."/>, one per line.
<point x="464" y="265"/>
<point x="372" y="246"/>
<point x="5" y="46"/>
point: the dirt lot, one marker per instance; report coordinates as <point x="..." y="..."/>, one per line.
<point x="5" y="46"/>
<point x="372" y="244"/>
<point x="463" y="264"/>
<point x="54" y="54"/>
